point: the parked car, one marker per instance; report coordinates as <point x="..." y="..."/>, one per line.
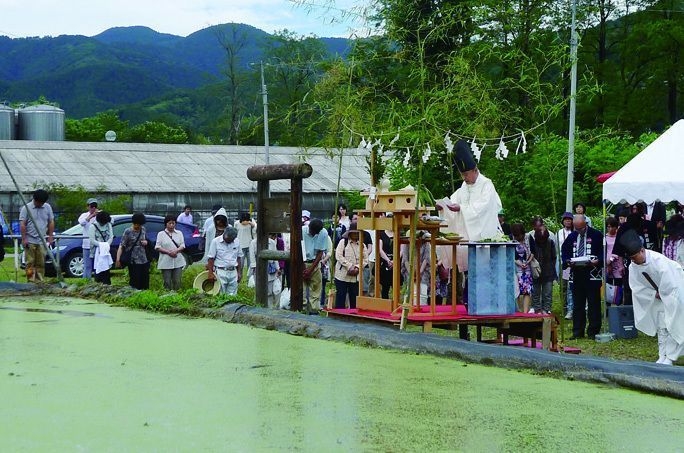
<point x="71" y="251"/>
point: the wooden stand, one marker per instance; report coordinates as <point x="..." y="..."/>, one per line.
<point x="434" y="241"/>
<point x="402" y="207"/>
<point x="373" y="308"/>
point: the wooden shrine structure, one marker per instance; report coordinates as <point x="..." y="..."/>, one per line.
<point x="395" y="211"/>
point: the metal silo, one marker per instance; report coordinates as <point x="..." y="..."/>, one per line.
<point x="41" y="122"/>
<point x="7" y="123"/>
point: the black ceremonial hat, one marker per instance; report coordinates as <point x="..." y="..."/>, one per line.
<point x="631" y="241"/>
<point x="463" y="158"/>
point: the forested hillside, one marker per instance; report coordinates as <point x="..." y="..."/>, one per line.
<point x="126" y="65"/>
<point x="495" y="73"/>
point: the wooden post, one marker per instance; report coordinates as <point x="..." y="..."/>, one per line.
<point x="396" y="257"/>
<point x="378" y="263"/>
<point x="296" y="258"/>
<point x="285" y="171"/>
<point x="433" y="269"/>
<point x="261" y="277"/>
<point x="263" y="174"/>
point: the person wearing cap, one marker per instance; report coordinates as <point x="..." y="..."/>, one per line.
<point x="348" y="255"/>
<point x="85" y="220"/>
<point x="582" y="252"/>
<point x="225" y="261"/>
<point x="566" y="284"/>
<point x="315" y="240"/>
<point x="472" y="211"/>
<point x="657" y="285"/>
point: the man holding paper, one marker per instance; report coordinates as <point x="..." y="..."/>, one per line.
<point x="473" y="210"/>
<point x="582" y="252"/>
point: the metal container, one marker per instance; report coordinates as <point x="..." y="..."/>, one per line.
<point x="41" y="122"/>
<point x="7" y="123"/>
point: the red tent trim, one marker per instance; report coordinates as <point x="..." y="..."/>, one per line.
<point x="605" y="176"/>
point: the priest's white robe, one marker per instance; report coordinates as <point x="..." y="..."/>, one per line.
<point x="478" y="218"/>
<point x="651" y="313"/>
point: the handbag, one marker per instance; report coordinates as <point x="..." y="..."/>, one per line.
<point x="535" y="267"/>
<point x="351" y="271"/>
<point x="277" y="286"/>
<point x="354" y="271"/>
<point x="285" y="299"/>
<point x="443" y="273"/>
<point x="127" y="254"/>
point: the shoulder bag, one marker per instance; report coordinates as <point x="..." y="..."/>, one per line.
<point x="127" y="254"/>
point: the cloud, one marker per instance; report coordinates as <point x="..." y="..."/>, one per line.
<point x="178" y="17"/>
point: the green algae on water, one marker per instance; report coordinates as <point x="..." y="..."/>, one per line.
<point x="128" y="380"/>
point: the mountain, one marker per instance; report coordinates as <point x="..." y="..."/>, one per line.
<point x="124" y="65"/>
<point x="136" y="35"/>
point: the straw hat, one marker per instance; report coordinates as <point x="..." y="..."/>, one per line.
<point x="205" y="286"/>
<point x="352" y="229"/>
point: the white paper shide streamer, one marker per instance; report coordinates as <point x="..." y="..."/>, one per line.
<point x="477" y="152"/>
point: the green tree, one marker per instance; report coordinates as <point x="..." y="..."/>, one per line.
<point x="427" y="29"/>
<point x="156" y="132"/>
<point x="234" y="42"/>
<point x="293" y="65"/>
<point x="93" y="129"/>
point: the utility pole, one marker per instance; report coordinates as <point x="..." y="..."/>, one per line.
<point x="571" y="127"/>
<point x="264" y="95"/>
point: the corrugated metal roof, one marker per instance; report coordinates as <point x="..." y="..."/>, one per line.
<point x="146" y="168"/>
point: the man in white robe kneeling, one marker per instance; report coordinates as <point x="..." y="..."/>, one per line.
<point x="657" y="285"/>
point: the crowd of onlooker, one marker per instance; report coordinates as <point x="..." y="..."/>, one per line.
<point x="340" y="253"/>
<point x="575" y="257"/>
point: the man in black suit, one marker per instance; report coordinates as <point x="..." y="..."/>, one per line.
<point x="582" y="251"/>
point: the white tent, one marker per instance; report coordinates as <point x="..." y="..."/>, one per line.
<point x="655" y="174"/>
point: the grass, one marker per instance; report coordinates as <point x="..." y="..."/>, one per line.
<point x="186" y="302"/>
<point x="642" y="347"/>
<point x="191" y="303"/>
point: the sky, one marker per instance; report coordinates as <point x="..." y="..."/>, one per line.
<point x="23" y="18"/>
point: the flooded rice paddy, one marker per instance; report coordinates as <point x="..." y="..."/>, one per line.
<point x="76" y="375"/>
